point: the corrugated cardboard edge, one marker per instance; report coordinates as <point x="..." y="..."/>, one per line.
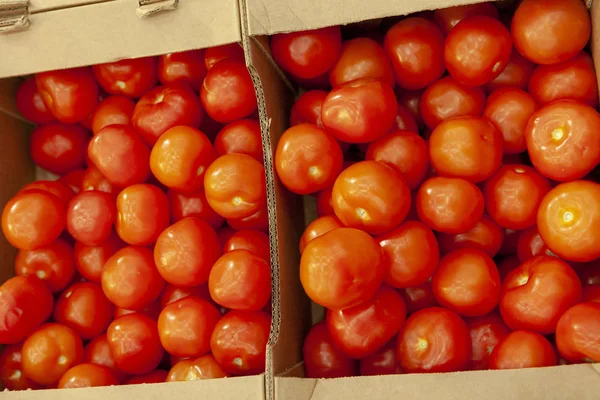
<point x="14" y="15"/>
<point x="147" y="8"/>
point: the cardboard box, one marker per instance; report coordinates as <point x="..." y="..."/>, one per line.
<point x="261" y="18"/>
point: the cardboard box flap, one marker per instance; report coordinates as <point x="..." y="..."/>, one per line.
<point x="37" y="6"/>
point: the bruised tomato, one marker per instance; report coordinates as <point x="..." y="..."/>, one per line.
<point x="90" y="217"/>
<point x="486" y="236"/>
<point x="11" y="370"/>
<point x="522" y="349"/>
<point x="447" y="18"/>
<point x="30" y="103"/>
<point x="516" y="74"/>
<point x="577" y="333"/>
<point x="486" y="332"/>
<point x="242" y="136"/>
<point x="193" y="204"/>
<point x="322" y="358"/>
<point x="59" y="148"/>
<point x="185" y="67"/>
<point x="307" y="108"/>
<point x="361" y="58"/>
<point x="112" y="110"/>
<point x="53" y="264"/>
<point x="203" y="367"/>
<point x="131" y="77"/>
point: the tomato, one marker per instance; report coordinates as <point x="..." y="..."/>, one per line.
<point x="11" y="370"/>
<point x="151" y="311"/>
<point x="72" y="179"/>
<point x="591" y="293"/>
<point x="90" y="260"/>
<point x="120" y="155"/>
<point x="90" y="217"/>
<point x="59" y="148"/>
<point x="242" y="193"/>
<point x="49" y="352"/>
<point x="242" y="136"/>
<point x="87" y="375"/>
<point x="239" y="342"/>
<point x="255" y="241"/>
<point x="550" y="31"/>
<point x="131" y="77"/>
<point x="447" y="18"/>
<point x="130" y="279"/>
<point x="415" y="48"/>
<point x="359" y="111"/>
<point x="322" y="358"/>
<point x="405" y="121"/>
<point x="185" y="67"/>
<point x="350" y="261"/>
<point x="135" y="344"/>
<point x="371" y="196"/>
<point x="142" y="214"/>
<point x="259" y="220"/>
<point x="531" y="244"/>
<point x="307" y="159"/>
<point x="486" y="332"/>
<point x="449" y="205"/>
<point x="59" y="189"/>
<point x="319" y="227"/>
<point x="506" y="265"/>
<point x="185" y="252"/>
<point x="411" y="101"/>
<point x="25" y="303"/>
<point x="98" y="352"/>
<point x="307" y="108"/>
<point x="516" y="74"/>
<point x="361" y="58"/>
<point x="204" y="367"/>
<point x="486" y="236"/>
<point x="193" y="204"/>
<point x="434" y="340"/>
<point x="307" y="54"/>
<point x="213" y="55"/>
<point x="156" y="376"/>
<point x="382" y="362"/>
<point x="325" y="202"/>
<point x="577" y="333"/>
<point x="112" y="110"/>
<point x="537" y="293"/>
<point x="523" y="349"/>
<point x="94" y="180"/>
<point x="418" y="297"/>
<point x="511" y="240"/>
<point x="172" y="293"/>
<point x="228" y="93"/>
<point x="466" y="147"/>
<point x="53" y="264"/>
<point x="31" y="105"/>
<point x="70" y="94"/>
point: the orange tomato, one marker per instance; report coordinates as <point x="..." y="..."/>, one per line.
<point x="87" y="375"/>
<point x="522" y="349"/>
<point x="203" y="367"/>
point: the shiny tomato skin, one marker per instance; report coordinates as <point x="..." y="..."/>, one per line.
<point x="156" y="376"/>
<point x="530" y="244"/>
<point x="382" y="362"/>
<point x="415" y="48"/>
<point x="537" y="293"/>
<point x="550" y="31"/>
<point x="53" y="264"/>
<point x="486" y="332"/>
<point x="193" y="204"/>
<point x="307" y="108"/>
<point x="405" y="121"/>
<point x="307" y="54"/>
<point x="135" y="344"/>
<point x="242" y="136"/>
<point x="94" y="180"/>
<point x="215" y="54"/>
<point x="186" y="67"/>
<point x="11" y="370"/>
<point x="418" y="297"/>
<point x="253" y="240"/>
<point x="112" y="110"/>
<point x="434" y="340"/>
<point x="70" y="94"/>
<point x="90" y="260"/>
<point x="259" y="220"/>
<point x="98" y="352"/>
<point x="203" y="367"/>
<point x="447" y="18"/>
<point x="90" y="217"/>
<point x="486" y="236"/>
<point x="516" y="74"/>
<point x="361" y="58"/>
<point x="87" y="375"/>
<point x="319" y="227"/>
<point x="322" y="358"/>
<point x="577" y="333"/>
<point x="411" y="100"/>
<point x="30" y="103"/>
<point x="350" y="260"/>
<point x="59" y="148"/>
<point x="568" y="219"/>
<point x="172" y="293"/>
<point x="522" y="349"/>
<point x="151" y="311"/>
<point x="64" y="192"/>
<point x="131" y="77"/>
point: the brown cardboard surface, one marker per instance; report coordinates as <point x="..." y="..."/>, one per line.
<point x="37" y="6"/>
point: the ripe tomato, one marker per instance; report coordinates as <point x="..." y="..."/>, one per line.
<point x="531" y="244"/>
<point x="361" y="330"/>
<point x="90" y="217"/>
<point x="382" y="362"/>
<point x="591" y="293"/>
<point x="319" y="227"/>
<point x="242" y="193"/>
<point x="550" y="31"/>
<point x="11" y="370"/>
<point x="242" y="136"/>
<point x="120" y="155"/>
<point x="415" y="48"/>
<point x="90" y="260"/>
<point x="350" y="261"/>
<point x="31" y="105"/>
<point x="185" y="326"/>
<point x="131" y="77"/>
<point x="568" y="219"/>
<point x="112" y="110"/>
<point x="405" y="121"/>
<point x="172" y="293"/>
<point x="193" y="204"/>
<point x="308" y="159"/>
<point x="486" y="236"/>
<point x="185" y="67"/>
<point x="87" y="375"/>
<point x="361" y="58"/>
<point x="53" y="264"/>
<point x="94" y="180"/>
<point x="447" y="18"/>
<point x="255" y="241"/>
<point x="134" y="343"/>
<point x="434" y="340"/>
<point x="307" y="54"/>
<point x="513" y="195"/>
<point x="516" y="74"/>
<point x="73" y="179"/>
<point x="70" y="94"/>
<point x="130" y="279"/>
<point x="59" y="148"/>
<point x="59" y="189"/>
<point x="371" y="196"/>
<point x="228" y="93"/>
<point x="486" y="332"/>
<point x="325" y="202"/>
<point x="239" y="342"/>
<point x="25" y="303"/>
<point x="185" y="252"/>
<point x="359" y="111"/>
<point x="522" y="349"/>
<point x="204" y="367"/>
<point x="307" y="108"/>
<point x="411" y="100"/>
<point x="466" y="147"/>
<point x="259" y="220"/>
<point x="213" y="55"/>
<point x="577" y="333"/>
<point x="98" y="352"/>
<point x="142" y="214"/>
<point x="156" y="376"/>
<point x="418" y="297"/>
<point x="322" y="358"/>
<point x="151" y="311"/>
<point x="449" y="205"/>
<point x="537" y="293"/>
<point x="467" y="282"/>
<point x="49" y="352"/>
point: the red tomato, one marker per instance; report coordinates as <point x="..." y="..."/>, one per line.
<point x="185" y="252"/>
<point x="516" y="74"/>
<point x="87" y="375"/>
<point x="193" y="204"/>
<point x="49" y="352"/>
<point x="53" y="264"/>
<point x="466" y="147"/>
<point x="418" y="297"/>
<point x="31" y="106"/>
<point x="308" y="159"/>
<point x="90" y="217"/>
<point x="325" y="202"/>
<point x="255" y="241"/>
<point x="359" y="111"/>
<point x="531" y="244"/>
<point x="411" y="100"/>
<point x="156" y="376"/>
<point x="142" y="214"/>
<point x="486" y="236"/>
<point x="59" y="148"/>
<point x="322" y="358"/>
<point x="90" y="260"/>
<point x="112" y="110"/>
<point x="151" y="311"/>
<point x="522" y="349"/>
<point x="434" y="340"/>
<point x="70" y="94"/>
<point x="59" y="189"/>
<point x="204" y="367"/>
<point x="577" y="333"/>
<point x="382" y="362"/>
<point x="173" y="293"/>
<point x="98" y="352"/>
<point x="486" y="332"/>
<point x="73" y="179"/>
<point x="447" y="18"/>
<point x="186" y="67"/>
<point x="130" y="279"/>
<point x="307" y="54"/>
<point x="94" y="180"/>
<point x="135" y="344"/>
<point x="213" y="55"/>
<point x="242" y="193"/>
<point x="361" y="58"/>
<point x="550" y="31"/>
<point x="591" y="293"/>
<point x="449" y="205"/>
<point x="259" y="220"/>
<point x="415" y="48"/>
<point x="11" y="370"/>
<point x="131" y="78"/>
<point x="405" y="121"/>
<point x="537" y="293"/>
<point x="228" y="93"/>
<point x="307" y="108"/>
<point x="371" y="196"/>
<point x="319" y="227"/>
<point x="242" y="136"/>
<point x="239" y="342"/>
<point x="406" y="152"/>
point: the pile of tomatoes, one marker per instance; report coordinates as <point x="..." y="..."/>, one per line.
<point x="452" y="156"/>
<point x="147" y="260"/>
